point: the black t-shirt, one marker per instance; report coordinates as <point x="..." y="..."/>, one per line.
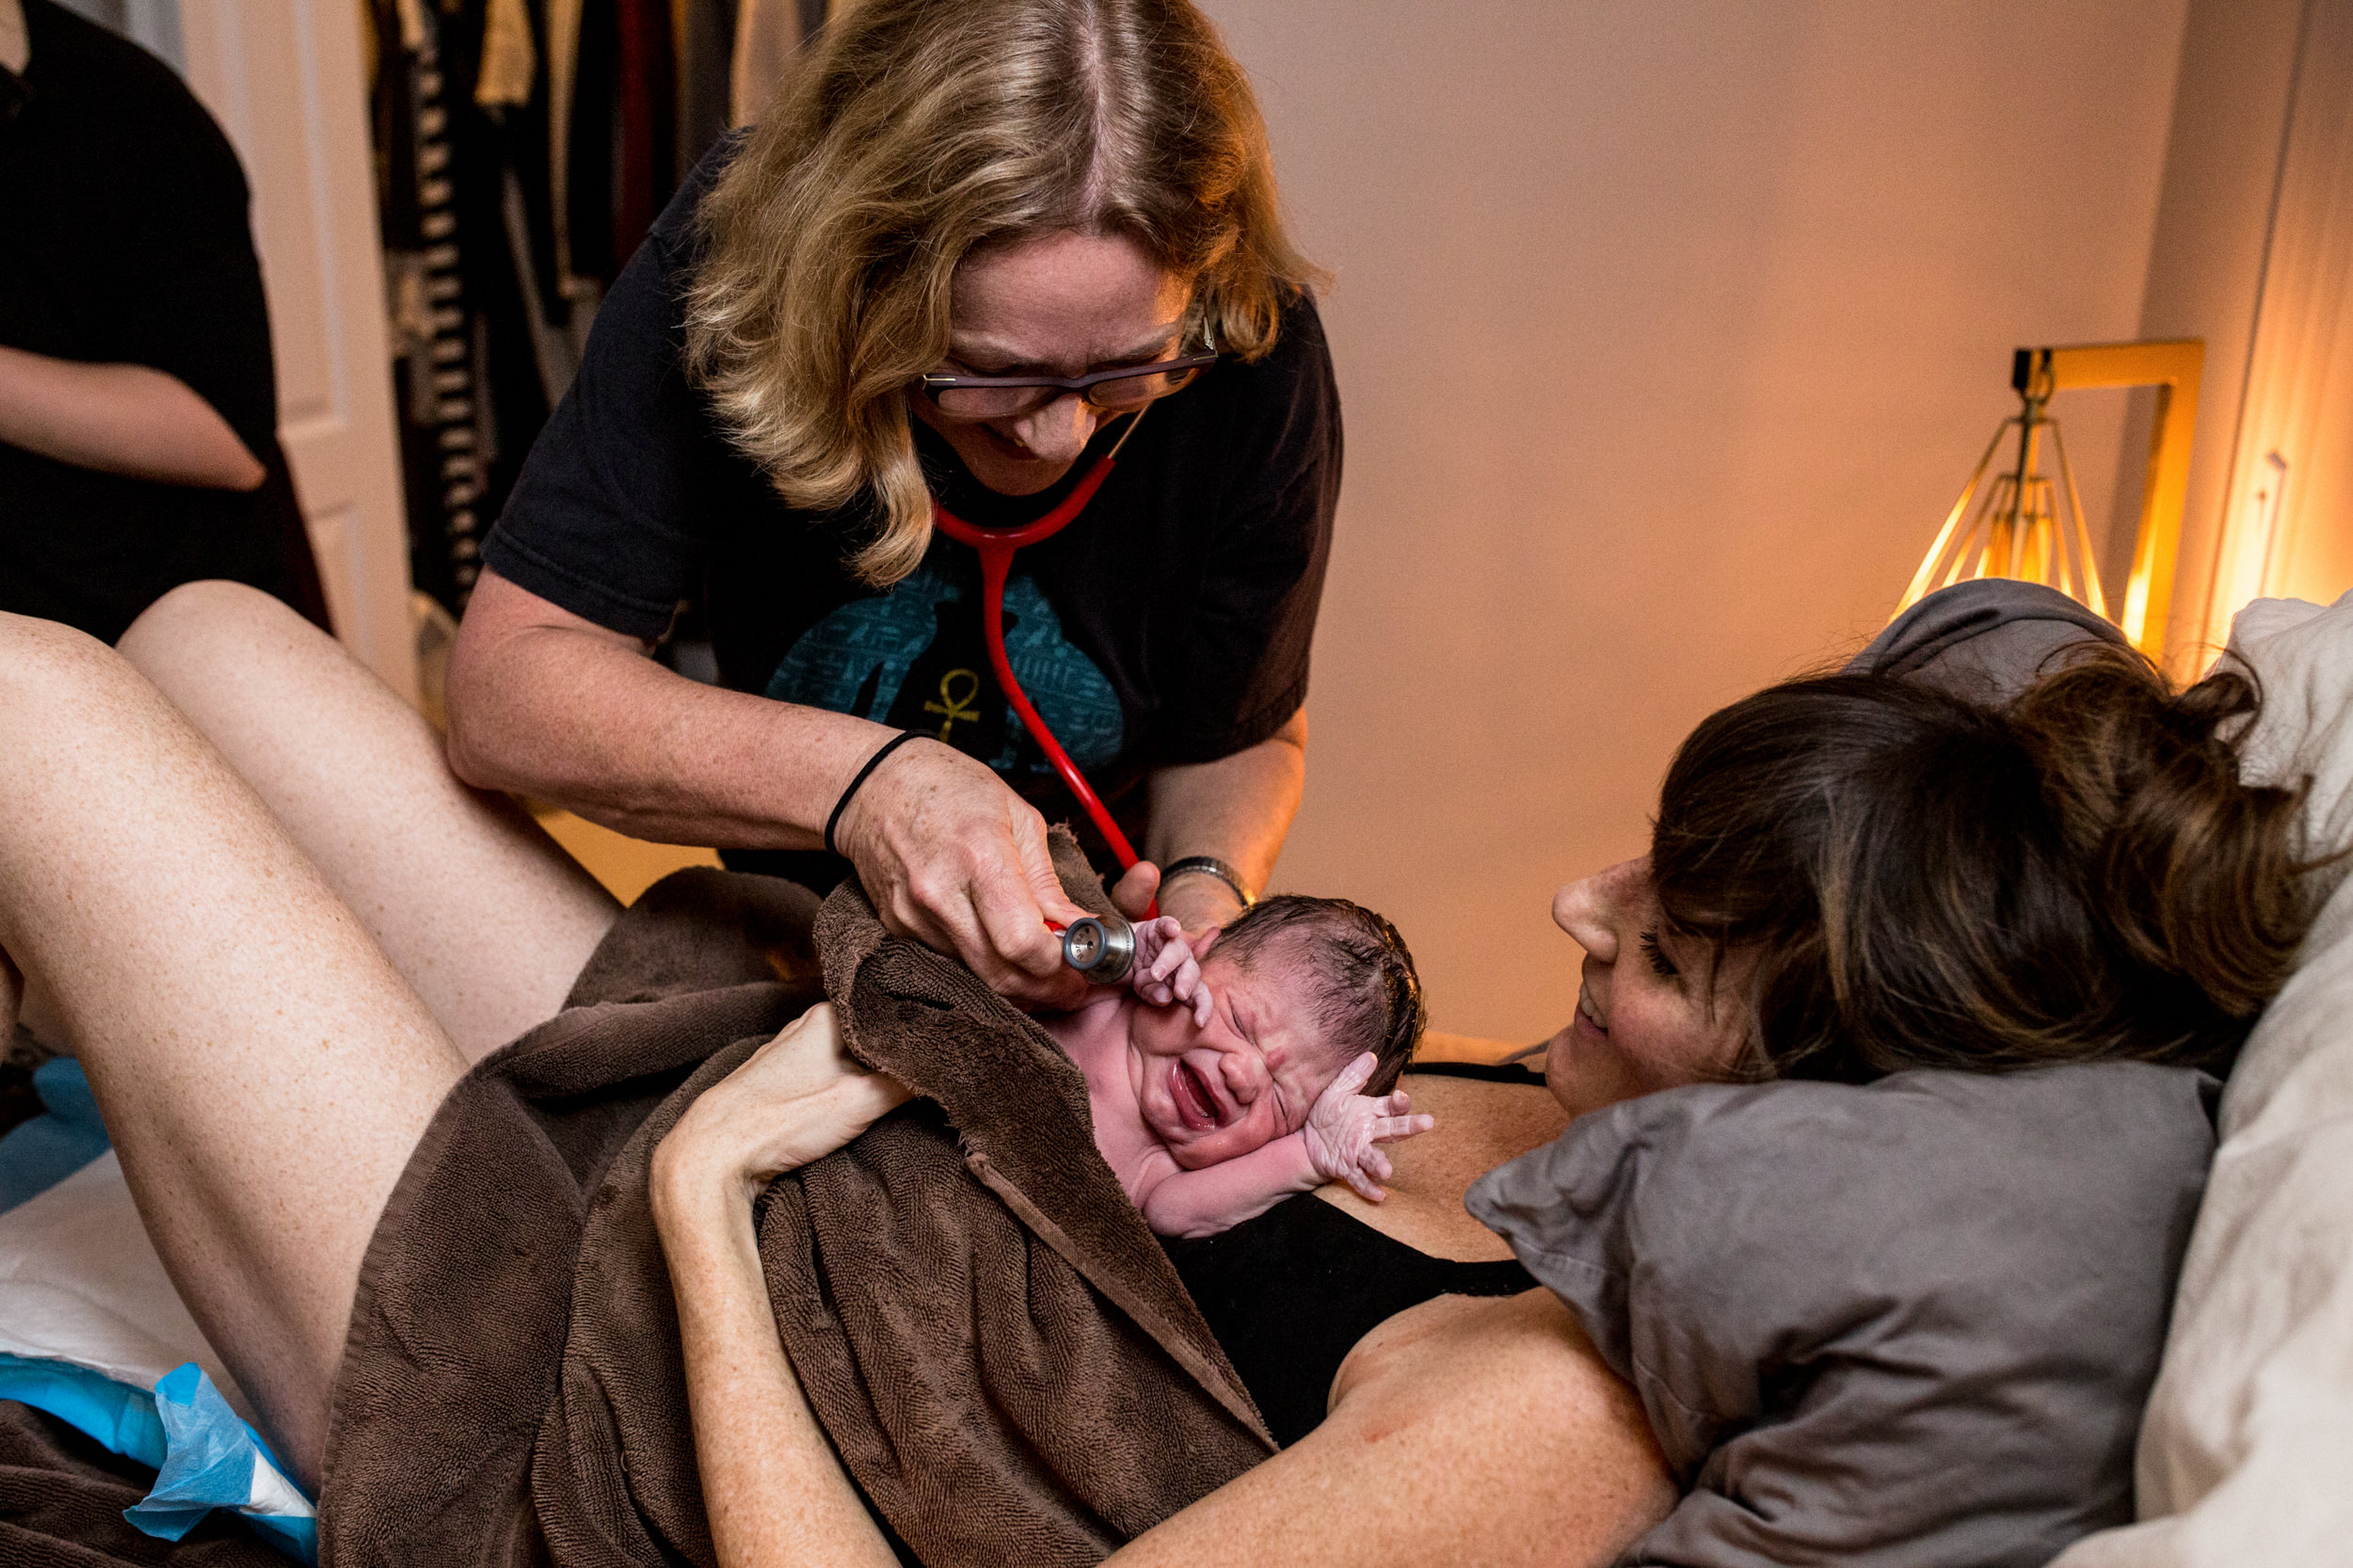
<point x="1170" y="623"/>
<point x="123" y="240"/>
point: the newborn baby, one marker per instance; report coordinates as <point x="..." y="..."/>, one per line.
<point x="1228" y="1076"/>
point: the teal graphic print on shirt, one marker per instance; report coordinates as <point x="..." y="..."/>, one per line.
<point x="914" y="659"/>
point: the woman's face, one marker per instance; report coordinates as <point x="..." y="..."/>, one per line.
<point x="1654" y="1012"/>
<point x="1062" y="305"/>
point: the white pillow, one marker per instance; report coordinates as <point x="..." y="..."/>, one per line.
<point x="2247" y="1449"/>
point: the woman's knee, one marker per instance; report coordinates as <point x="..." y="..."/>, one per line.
<point x="68" y="704"/>
<point x="47" y="669"/>
<point x="199" y="622"/>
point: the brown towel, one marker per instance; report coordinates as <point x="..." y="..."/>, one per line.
<point x="991" y="1336"/>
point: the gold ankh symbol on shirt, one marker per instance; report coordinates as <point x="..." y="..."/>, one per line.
<point x="954" y="704"/>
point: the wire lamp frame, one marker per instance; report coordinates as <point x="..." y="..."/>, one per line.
<point x="2025" y="524"/>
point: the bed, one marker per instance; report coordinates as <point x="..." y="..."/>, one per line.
<point x="2248" y="1436"/>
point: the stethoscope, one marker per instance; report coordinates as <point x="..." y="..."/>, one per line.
<point x="1101" y="948"/>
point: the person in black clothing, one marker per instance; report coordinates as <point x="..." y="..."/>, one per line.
<point x="972" y="248"/>
<point x="138" y="406"/>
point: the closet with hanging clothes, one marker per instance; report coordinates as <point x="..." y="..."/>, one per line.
<point x="523" y="147"/>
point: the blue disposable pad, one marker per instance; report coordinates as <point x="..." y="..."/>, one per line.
<point x="121" y="1418"/>
<point x="206" y="1456"/>
<point x="39" y="1154"/>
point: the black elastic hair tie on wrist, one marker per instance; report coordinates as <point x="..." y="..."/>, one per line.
<point x="872" y="763"/>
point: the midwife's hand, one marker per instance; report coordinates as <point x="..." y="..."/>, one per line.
<point x="1137" y="886"/>
<point x="1168" y="971"/>
<point x="1202" y="905"/>
<point x="795" y="1098"/>
<point x="957" y="861"/>
<point x="1344" y="1129"/>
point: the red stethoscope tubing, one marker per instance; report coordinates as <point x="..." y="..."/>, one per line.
<point x="996" y="547"/>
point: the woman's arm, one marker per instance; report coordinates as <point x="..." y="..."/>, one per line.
<point x="121" y="419"/>
<point x="1462" y="1430"/>
<point x="773" y="1490"/>
<point x="547" y="703"/>
<point x="1239" y="808"/>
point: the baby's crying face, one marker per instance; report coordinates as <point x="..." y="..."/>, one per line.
<point x="1214" y="1092"/>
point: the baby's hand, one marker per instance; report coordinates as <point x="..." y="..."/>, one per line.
<point x="1166" y="969"/>
<point x="1345" y="1128"/>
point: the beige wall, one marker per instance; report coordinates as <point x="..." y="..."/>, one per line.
<point x="1666" y="335"/>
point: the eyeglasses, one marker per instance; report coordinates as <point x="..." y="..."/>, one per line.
<point x="1111" y="391"/>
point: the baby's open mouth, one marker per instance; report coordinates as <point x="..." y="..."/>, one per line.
<point x="1194" y="1100"/>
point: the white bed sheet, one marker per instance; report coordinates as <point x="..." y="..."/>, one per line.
<point x="2247" y="1449"/>
<point x="80" y="1282"/>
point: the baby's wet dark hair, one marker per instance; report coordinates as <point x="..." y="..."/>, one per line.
<point x="1368" y="995"/>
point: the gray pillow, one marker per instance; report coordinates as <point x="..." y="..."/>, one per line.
<point x="1912" y="1322"/>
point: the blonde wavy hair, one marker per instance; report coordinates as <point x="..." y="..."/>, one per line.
<point x="916" y="131"/>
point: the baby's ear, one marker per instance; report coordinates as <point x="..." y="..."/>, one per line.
<point x="1203" y="943"/>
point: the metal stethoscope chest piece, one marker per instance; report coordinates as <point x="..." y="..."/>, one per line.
<point x="1101" y="947"/>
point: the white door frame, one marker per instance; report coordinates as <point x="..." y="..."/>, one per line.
<point x="2289" y="421"/>
<point x="286" y="80"/>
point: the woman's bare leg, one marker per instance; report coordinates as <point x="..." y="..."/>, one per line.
<point x="485" y="915"/>
<point x="263" y="1069"/>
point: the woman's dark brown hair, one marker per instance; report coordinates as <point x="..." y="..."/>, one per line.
<point x="1930" y="883"/>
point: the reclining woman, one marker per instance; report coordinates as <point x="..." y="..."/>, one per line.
<point x="274" y="979"/>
